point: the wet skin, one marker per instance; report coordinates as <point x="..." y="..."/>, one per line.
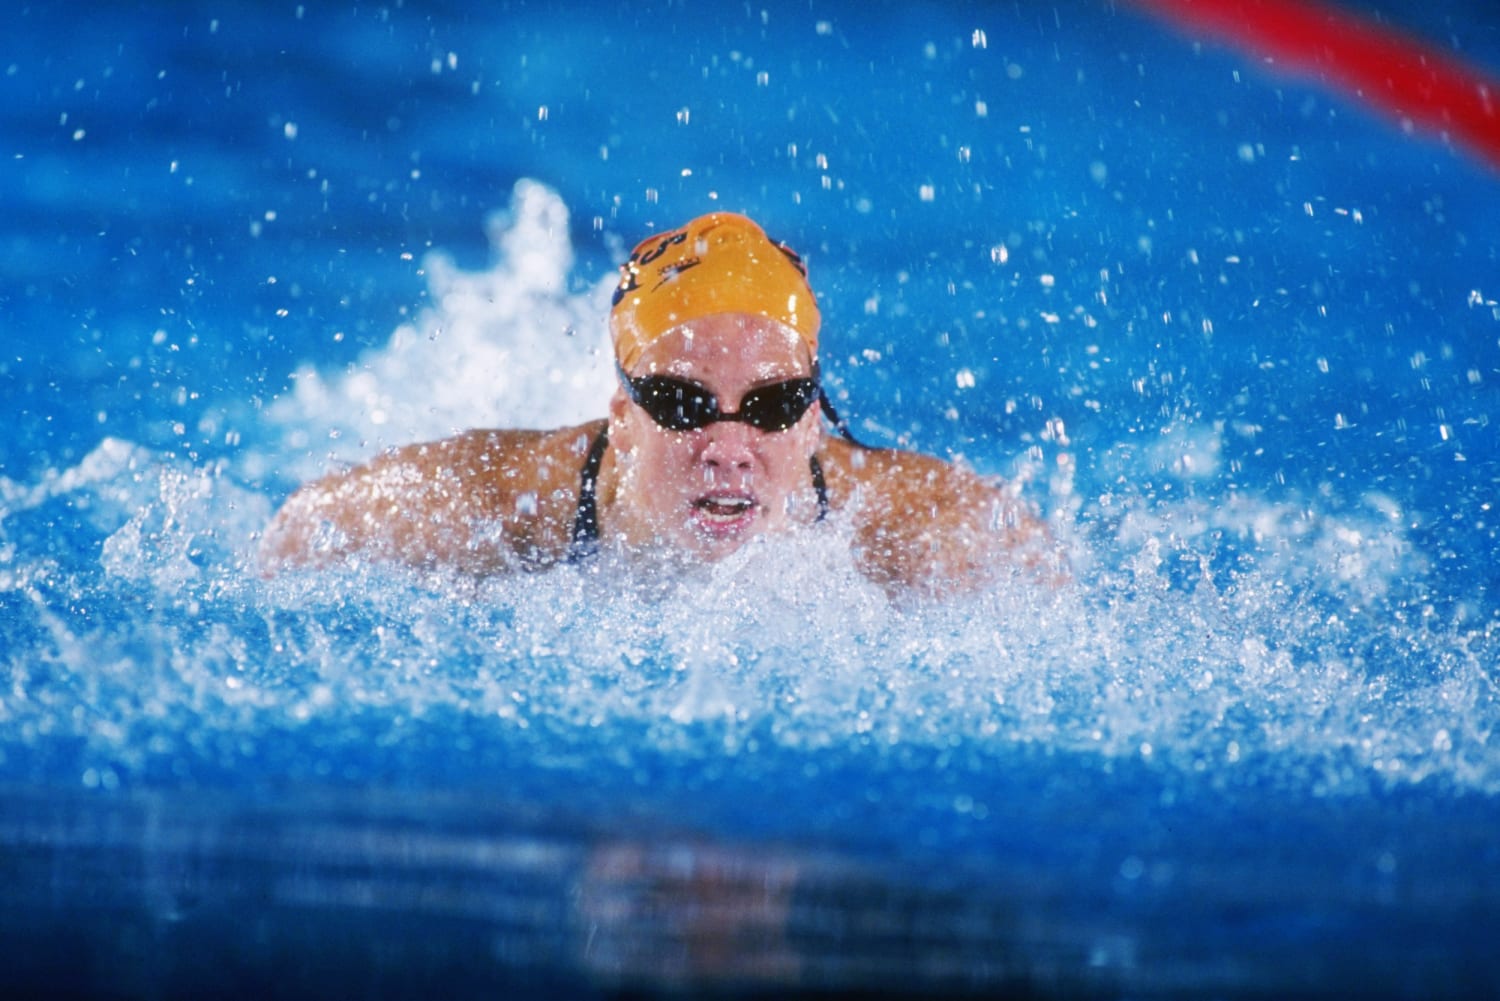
<point x="706" y="492"/>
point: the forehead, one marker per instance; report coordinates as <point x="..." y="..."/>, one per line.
<point x="730" y="346"/>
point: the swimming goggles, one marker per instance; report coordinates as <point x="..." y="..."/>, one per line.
<point x="679" y="405"/>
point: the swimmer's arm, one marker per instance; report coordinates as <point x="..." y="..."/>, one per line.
<point x="479" y="502"/>
<point x="928" y="528"/>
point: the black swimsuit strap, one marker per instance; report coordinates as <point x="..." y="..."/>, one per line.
<point x="585" y="540"/>
<point x="816" y="468"/>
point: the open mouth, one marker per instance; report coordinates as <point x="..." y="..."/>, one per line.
<point x="724" y="511"/>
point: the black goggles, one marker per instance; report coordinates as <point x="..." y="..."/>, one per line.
<point x="679" y="405"/>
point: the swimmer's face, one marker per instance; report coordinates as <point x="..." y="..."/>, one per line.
<point x="708" y="491"/>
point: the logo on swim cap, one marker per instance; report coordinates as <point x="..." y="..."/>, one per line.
<point x="718" y="263"/>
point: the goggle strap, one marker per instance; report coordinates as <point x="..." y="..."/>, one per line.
<point x="839" y="424"/>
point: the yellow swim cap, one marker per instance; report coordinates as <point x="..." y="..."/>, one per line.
<point x="718" y="263"/>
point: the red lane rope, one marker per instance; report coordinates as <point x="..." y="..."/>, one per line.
<point x="1394" y="72"/>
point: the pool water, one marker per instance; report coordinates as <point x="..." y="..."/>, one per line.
<point x="1234" y="332"/>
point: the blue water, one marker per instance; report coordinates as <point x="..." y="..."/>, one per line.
<point x="1235" y="334"/>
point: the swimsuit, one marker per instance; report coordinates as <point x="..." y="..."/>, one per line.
<point x="585" y="541"/>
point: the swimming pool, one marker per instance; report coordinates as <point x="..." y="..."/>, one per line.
<point x="1232" y="330"/>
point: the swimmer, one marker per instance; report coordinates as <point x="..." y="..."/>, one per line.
<point x="715" y="436"/>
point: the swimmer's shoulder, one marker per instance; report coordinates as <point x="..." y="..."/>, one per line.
<point x="899" y="478"/>
<point x="496" y="465"/>
<point x="927" y="525"/>
<point x="482" y="500"/>
<point x="522" y="484"/>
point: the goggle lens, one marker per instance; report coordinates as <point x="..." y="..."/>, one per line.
<point x="679" y="405"/>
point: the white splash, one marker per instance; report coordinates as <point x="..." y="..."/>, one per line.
<point x="509" y="346"/>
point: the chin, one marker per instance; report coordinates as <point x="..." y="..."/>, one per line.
<point x="713" y="549"/>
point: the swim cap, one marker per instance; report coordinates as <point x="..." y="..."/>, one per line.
<point x="718" y="263"/>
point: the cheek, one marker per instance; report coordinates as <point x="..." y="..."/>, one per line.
<point x="806" y="435"/>
<point x="633" y="434"/>
<point x="649" y="453"/>
<point x="655" y="459"/>
<point x="792" y="451"/>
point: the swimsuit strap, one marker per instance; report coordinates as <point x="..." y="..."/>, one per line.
<point x="816" y="468"/>
<point x="585" y="541"/>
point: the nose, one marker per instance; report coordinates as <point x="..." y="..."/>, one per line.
<point x="728" y="445"/>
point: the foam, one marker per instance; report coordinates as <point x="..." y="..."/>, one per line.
<point x="1198" y="639"/>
